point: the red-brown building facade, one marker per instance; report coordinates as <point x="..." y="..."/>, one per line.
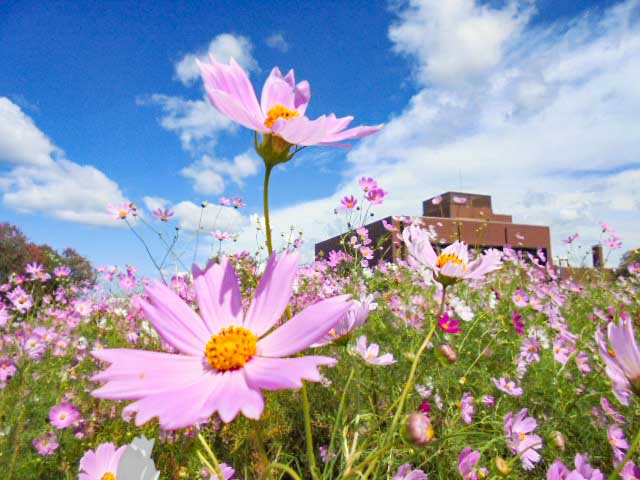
<point x="453" y="216"/>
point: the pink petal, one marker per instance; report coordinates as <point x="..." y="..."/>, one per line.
<point x="179" y="407"/>
<point x="175" y="321"/>
<point x="135" y="374"/>
<point x="236" y="396"/>
<point x="273" y="293"/>
<point x="305" y="328"/>
<point x="284" y="373"/>
<point x="301" y="130"/>
<point x="218" y="293"/>
<point x="231" y="92"/>
<point x="303" y="95"/>
<point x="277" y="91"/>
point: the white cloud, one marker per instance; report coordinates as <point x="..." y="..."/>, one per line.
<point x="196" y="122"/>
<point x="549" y="129"/>
<point x="222" y="47"/>
<point x="455" y="40"/>
<point x="277" y="42"/>
<point x="208" y="174"/>
<point x="40" y="178"/>
<point x="153" y="203"/>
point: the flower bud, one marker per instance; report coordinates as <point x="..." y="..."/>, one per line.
<point x="420" y="429"/>
<point x="503" y="467"/>
<point x="558" y="439"/>
<point x="449" y="353"/>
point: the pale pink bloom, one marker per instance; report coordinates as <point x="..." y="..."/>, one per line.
<point x="618" y="442"/>
<point x="282" y="107"/>
<point x="225" y="201"/>
<point x="367" y="184"/>
<point x="622" y="360"/>
<point x="583" y="470"/>
<point x="207" y="376"/>
<point x="63" y="415"/>
<point x="467" y="465"/>
<point x="46" y="444"/>
<point x="508" y="386"/>
<point x="520" y="298"/>
<point x="163" y="214"/>
<point x="406" y="472"/>
<point x="376" y="196"/>
<point x="355" y="317"/>
<point x="466" y="408"/>
<point x="95" y="465"/>
<point x="370" y="353"/>
<point x="520" y="439"/>
<point x="120" y="212"/>
<point x="452" y="264"/>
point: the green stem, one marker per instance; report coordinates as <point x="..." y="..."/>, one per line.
<point x="627" y="457"/>
<point x="267" y="222"/>
<point x="307" y="431"/>
<point x="262" y="450"/>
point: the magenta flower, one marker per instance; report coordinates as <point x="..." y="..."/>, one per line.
<point x="223" y="362"/>
<point x="376" y="196"/>
<point x="225" y="201"/>
<point x="518" y="324"/>
<point x="370" y="353"/>
<point x="46" y="444"/>
<point x="238" y="202"/>
<point x="520" y="439"/>
<point x="508" y="386"/>
<point x="101" y="464"/>
<point x="163" y="214"/>
<point x="613" y="242"/>
<point x="63" y="415"/>
<point x="348" y="202"/>
<point x="622" y="360"/>
<point x="448" y="324"/>
<point x="281" y="110"/>
<point x="62" y="271"/>
<point x="452" y="264"/>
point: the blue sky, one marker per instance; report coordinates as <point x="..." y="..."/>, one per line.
<point x="101" y="104"/>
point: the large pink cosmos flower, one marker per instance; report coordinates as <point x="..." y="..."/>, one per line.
<point x="282" y="107"/>
<point x="520" y="439"/>
<point x="622" y="360"/>
<point x="223" y="363"/>
<point x="452" y="264"/>
<point x="101" y="464"/>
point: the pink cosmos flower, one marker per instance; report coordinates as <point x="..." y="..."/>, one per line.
<point x="222" y="236"/>
<point x="367" y="184"/>
<point x="449" y="324"/>
<point x="63" y="415"/>
<point x="618" y="442"/>
<point x="520" y="298"/>
<point x="223" y="362"/>
<point x="376" y="196"/>
<point x="452" y="264"/>
<point x="622" y="360"/>
<point x="370" y="353"/>
<point x="7" y="370"/>
<point x="631" y="471"/>
<point x="571" y="238"/>
<point x="467" y="465"/>
<point x="633" y="268"/>
<point x="120" y="212"/>
<point x="437" y="200"/>
<point x="348" y="202"/>
<point x="406" y="472"/>
<point x="356" y="317"/>
<point x="466" y="408"/>
<point x="225" y="201"/>
<point x="520" y="439"/>
<point x="367" y="252"/>
<point x="518" y="324"/>
<point x="62" y="271"/>
<point x="46" y="444"/>
<point x="101" y="464"/>
<point x="508" y="386"/>
<point x="610" y="410"/>
<point x="583" y="470"/>
<point x="282" y="106"/>
<point x="238" y="202"/>
<point x="163" y="214"/>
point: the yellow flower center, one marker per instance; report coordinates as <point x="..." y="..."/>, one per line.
<point x="231" y="348"/>
<point x="123" y="214"/>
<point x="279" y="111"/>
<point x="108" y="476"/>
<point x="443" y="259"/>
<point x="522" y="437"/>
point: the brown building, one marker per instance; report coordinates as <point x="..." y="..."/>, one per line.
<point x="455" y="216"/>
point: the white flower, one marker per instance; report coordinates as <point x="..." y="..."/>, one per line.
<point x="370" y="353"/>
<point x="136" y="462"/>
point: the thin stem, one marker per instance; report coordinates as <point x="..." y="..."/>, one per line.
<point x="627" y="457"/>
<point x="146" y="247"/>
<point x="262" y="451"/>
<point x="195" y="253"/>
<point x="267" y="222"/>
